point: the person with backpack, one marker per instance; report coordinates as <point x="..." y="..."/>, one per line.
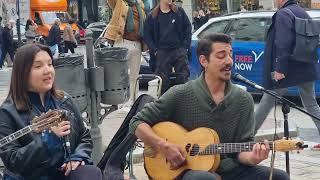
<point x="167" y="32"/>
<point x="281" y="67"/>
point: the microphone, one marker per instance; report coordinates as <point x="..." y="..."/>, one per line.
<point x="66" y="138"/>
<point x="239" y="78"/>
<point x="67" y="143"/>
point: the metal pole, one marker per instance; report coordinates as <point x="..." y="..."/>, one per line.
<point x="94" y="130"/>
<point x="18" y="23"/>
<point x="229" y="6"/>
<point x="286" y="111"/>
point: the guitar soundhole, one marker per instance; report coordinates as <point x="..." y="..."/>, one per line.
<point x="188" y="146"/>
<point x="194" y="150"/>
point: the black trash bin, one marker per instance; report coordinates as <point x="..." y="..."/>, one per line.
<point x="116" y="77"/>
<point x="70" y="77"/>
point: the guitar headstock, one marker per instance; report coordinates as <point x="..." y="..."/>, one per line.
<point x="284" y="145"/>
<point x="47" y="120"/>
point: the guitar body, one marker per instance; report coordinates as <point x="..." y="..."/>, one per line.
<point x="194" y="141"/>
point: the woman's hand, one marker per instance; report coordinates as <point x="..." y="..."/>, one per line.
<point x="71" y="166"/>
<point x="62" y="129"/>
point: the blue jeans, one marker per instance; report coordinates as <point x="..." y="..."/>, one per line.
<point x="308" y="98"/>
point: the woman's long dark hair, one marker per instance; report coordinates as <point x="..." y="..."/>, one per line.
<point x="29" y="23"/>
<point x="22" y="65"/>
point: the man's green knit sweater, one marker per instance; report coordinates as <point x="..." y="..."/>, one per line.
<point x="191" y="106"/>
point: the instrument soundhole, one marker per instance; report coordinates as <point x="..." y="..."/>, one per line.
<point x="188" y="146"/>
<point x="194" y="150"/>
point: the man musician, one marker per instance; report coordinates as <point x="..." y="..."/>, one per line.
<point x="210" y="101"/>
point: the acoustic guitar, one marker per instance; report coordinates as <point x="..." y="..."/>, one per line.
<point x="38" y="124"/>
<point x="201" y="149"/>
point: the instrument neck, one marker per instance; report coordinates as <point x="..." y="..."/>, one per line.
<point x="230" y="148"/>
<point x="16" y="135"/>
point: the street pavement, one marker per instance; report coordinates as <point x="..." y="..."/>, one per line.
<point x="304" y="164"/>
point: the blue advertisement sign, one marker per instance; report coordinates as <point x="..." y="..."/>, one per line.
<point x="248" y="59"/>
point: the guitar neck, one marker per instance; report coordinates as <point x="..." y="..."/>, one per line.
<point x="225" y="148"/>
<point x="15" y="135"/>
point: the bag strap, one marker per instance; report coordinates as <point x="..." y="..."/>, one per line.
<point x="289" y="10"/>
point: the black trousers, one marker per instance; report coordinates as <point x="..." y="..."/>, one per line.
<point x="85" y="172"/>
<point x="168" y="59"/>
<point x="6" y="50"/>
<point x="68" y="45"/>
<point x="241" y="173"/>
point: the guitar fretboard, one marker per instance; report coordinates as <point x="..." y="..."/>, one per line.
<point x="229" y="148"/>
<point x="15" y="135"/>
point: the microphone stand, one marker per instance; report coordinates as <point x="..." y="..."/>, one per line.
<point x="286" y="104"/>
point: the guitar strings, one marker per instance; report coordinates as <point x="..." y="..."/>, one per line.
<point x="232" y="148"/>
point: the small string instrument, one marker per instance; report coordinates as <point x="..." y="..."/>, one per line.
<point x="38" y="124"/>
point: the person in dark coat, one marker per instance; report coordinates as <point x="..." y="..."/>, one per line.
<point x="167" y="32"/>
<point x="195" y="19"/>
<point x="202" y="18"/>
<point x="7" y="47"/>
<point x="54" y="37"/>
<point x="280" y="71"/>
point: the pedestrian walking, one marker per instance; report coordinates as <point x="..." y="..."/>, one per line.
<point x="7" y="47"/>
<point x="69" y="39"/>
<point x="43" y="155"/>
<point x="126" y="30"/>
<point x="54" y="37"/>
<point x="280" y="69"/>
<point x="168" y="36"/>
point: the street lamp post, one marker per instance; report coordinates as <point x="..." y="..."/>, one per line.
<point x="95" y="130"/>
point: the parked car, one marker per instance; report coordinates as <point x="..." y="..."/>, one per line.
<point x="248" y="30"/>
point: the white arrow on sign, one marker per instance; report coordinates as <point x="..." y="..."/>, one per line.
<point x="256" y="58"/>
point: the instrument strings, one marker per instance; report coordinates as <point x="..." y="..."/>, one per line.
<point x="226" y="147"/>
